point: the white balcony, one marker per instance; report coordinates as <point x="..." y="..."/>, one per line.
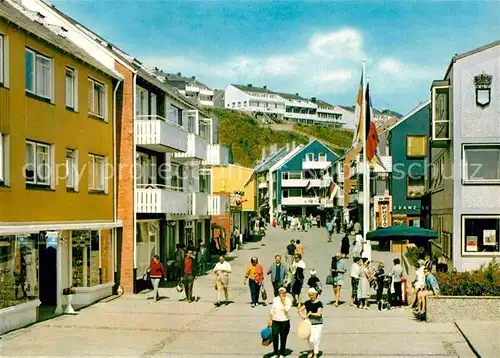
<point x="310" y="164"/>
<point x="293" y="115"/>
<point x="196" y="148"/>
<point x="206" y="92"/>
<point x="217" y="155"/>
<point x="218" y="205"/>
<point x="207" y="103"/>
<point x="300" y="201"/>
<point x="158" y="134"/>
<point x="263" y="185"/>
<point x="192" y="89"/>
<point x="302" y="183"/>
<point x="198" y="204"/>
<point x="161" y="200"/>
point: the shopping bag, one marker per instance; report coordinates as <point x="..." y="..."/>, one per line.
<point x="266" y="335"/>
<point x="264" y="293"/>
<point x="304" y="329"/>
<point x="329" y="280"/>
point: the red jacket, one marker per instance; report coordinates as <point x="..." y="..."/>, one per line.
<point x="156" y="270"/>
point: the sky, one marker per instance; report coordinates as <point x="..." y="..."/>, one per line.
<point x="314" y="48"/>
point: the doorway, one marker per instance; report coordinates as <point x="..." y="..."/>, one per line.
<point x="47" y="273"/>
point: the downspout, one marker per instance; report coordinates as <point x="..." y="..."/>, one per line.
<point x="134" y="115"/>
<point x="115" y="180"/>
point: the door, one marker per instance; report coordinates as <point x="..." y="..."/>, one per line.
<point x="47" y="273"/>
<point x="182" y="234"/>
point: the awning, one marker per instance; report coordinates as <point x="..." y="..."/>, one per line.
<point x="401" y="232"/>
<point x="20" y="228"/>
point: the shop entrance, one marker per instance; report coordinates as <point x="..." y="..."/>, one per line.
<point x="47" y="273"/>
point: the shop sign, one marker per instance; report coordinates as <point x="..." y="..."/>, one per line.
<point x="410" y="207"/>
<point x="385" y="215"/>
<point x="51" y="239"/>
<point x="471" y="243"/>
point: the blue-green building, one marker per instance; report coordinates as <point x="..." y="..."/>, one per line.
<point x="408" y="145"/>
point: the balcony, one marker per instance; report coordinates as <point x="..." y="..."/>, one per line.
<point x="161" y="199"/>
<point x="302" y="183"/>
<point x="294" y="115"/>
<point x="204" y="102"/>
<point x="196" y="148"/>
<point x="160" y="135"/>
<point x="198" y="204"/>
<point x="217" y="155"/>
<point x="190" y="88"/>
<point x="299" y="201"/>
<point x="206" y="92"/>
<point x="310" y="164"/>
<point x="218" y="205"/>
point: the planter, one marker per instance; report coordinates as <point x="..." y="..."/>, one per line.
<point x="69" y="308"/>
<point x="18" y="316"/>
<point x="456" y="308"/>
<point x="86" y="296"/>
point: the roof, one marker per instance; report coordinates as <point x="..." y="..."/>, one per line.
<point x="278" y="164"/>
<point x="324" y="104"/>
<point x="304" y="147"/>
<point x="253" y="89"/>
<point x="271" y="160"/>
<point x="411" y="113"/>
<point x="470" y="53"/>
<point x="178" y="78"/>
<point x="18" y="18"/>
<point x="291" y="96"/>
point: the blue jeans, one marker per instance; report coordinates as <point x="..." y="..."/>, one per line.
<point x="254" y="291"/>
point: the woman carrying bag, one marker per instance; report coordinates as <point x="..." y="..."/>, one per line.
<point x="255" y="276"/>
<point x="279" y="321"/>
<point x="312" y="310"/>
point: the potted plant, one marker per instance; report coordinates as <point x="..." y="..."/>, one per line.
<point x="69" y="292"/>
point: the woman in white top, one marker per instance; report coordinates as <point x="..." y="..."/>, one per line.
<point x="279" y="321"/>
<point x="222" y="270"/>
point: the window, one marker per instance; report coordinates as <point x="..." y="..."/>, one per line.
<point x="415" y="186"/>
<point x="437" y="174"/>
<point x="440" y="113"/>
<point x="147" y="172"/>
<point x="3" y="155"/>
<point x="322" y="157"/>
<point x="176" y="176"/>
<point x="481" y="234"/>
<point x="205" y="179"/>
<point x="70" y="88"/>
<point x="416" y="146"/>
<point x="71" y="169"/>
<point x="96" y="99"/>
<point x="295" y="175"/>
<point x="310" y="157"/>
<point x="481" y="164"/>
<point x="38" y="73"/>
<point x="174" y="115"/>
<point x="97" y="180"/>
<point x="142" y="102"/>
<point x="1" y="60"/>
<point x="38" y="164"/>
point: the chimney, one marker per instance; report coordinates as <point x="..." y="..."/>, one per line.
<point x="294" y="145"/>
<point x="193" y="77"/>
<point x="263" y="154"/>
<point x="296" y="94"/>
<point x="179" y="74"/>
<point x="313" y="99"/>
<point x="288" y="147"/>
<point x="249" y="85"/>
<point x="265" y="87"/>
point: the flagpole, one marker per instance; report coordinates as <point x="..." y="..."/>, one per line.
<point x="366" y="168"/>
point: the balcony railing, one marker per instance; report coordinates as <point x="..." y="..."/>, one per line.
<point x="312" y="164"/>
<point x="198" y="204"/>
<point x="161" y="199"/>
<point x="156" y="133"/>
<point x="196" y="148"/>
<point x="218" y="205"/>
<point x="313" y="201"/>
<point x="217" y="155"/>
<point x="302" y="183"/>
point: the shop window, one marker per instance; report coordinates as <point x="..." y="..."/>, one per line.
<point x="416" y="146"/>
<point x="481" y="234"/>
<point x="147" y="241"/>
<point x="415" y="186"/>
<point x="85" y="258"/>
<point x="18" y="269"/>
<point x="97" y="99"/>
<point x="481" y="164"/>
<point x="38" y="74"/>
<point x="38" y="163"/>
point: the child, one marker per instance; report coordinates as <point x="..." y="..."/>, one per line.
<point x="314" y="282"/>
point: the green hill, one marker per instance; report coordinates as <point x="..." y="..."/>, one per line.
<point x="334" y="136"/>
<point x="246" y="138"/>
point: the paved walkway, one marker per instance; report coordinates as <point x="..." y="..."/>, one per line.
<point x="131" y="327"/>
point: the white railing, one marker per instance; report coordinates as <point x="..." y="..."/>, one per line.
<point x="196" y="148"/>
<point x="192" y="88"/>
<point x="159" y="134"/>
<point x="300" y="201"/>
<point x="157" y="199"/>
<point x="198" y="204"/>
<point x="218" y="205"/>
<point x="301" y="115"/>
<point x="217" y="155"/>
<point x="206" y="92"/>
<point x="310" y="164"/>
<point x="299" y="183"/>
<point x="204" y="102"/>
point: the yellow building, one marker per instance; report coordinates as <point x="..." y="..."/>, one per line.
<point x="239" y="184"/>
<point x="57" y="215"/>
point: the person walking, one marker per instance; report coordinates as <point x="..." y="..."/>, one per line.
<point x="222" y="270"/>
<point x="299" y="248"/>
<point x="313" y="310"/>
<point x="189" y="275"/>
<point x="235" y="239"/>
<point x="357" y="247"/>
<point x="329" y="230"/>
<point x="179" y="257"/>
<point x="364" y="284"/>
<point x="290" y="249"/>
<point x="396" y="274"/>
<point x="279" y="321"/>
<point x="298" y="267"/>
<point x="314" y="282"/>
<point x="262" y="231"/>
<point x="380" y="279"/>
<point x="156" y="272"/>
<point x="344" y="247"/>
<point x="355" y="281"/>
<point x="201" y="259"/>
<point x="255" y="276"/>
<point x="338" y="270"/>
<point x="278" y="272"/>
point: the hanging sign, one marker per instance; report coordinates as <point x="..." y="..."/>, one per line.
<point x="384" y="214"/>
<point x="51" y="239"/>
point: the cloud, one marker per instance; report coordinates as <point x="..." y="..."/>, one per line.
<point x="343" y="44"/>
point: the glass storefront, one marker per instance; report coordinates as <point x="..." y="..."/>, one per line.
<point x="18" y="269"/>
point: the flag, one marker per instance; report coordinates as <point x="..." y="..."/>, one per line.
<point x="371" y="134"/>
<point x="332" y="191"/>
<point x="358" y="113"/>
<point x="309" y="185"/>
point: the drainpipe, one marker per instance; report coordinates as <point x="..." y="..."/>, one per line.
<point x="115" y="179"/>
<point x="134" y="84"/>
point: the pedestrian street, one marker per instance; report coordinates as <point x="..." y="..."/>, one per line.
<point x="129" y="326"/>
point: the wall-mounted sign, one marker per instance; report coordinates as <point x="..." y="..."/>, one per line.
<point x="51" y="239"/>
<point x="483" y="89"/>
<point x="410" y="207"/>
<point x="384" y="214"/>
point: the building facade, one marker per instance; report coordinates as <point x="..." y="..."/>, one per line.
<point x="57" y="198"/>
<point x="408" y="146"/>
<point x="465" y="155"/>
<point x="190" y="87"/>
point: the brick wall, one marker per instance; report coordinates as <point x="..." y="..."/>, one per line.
<point x="125" y="194"/>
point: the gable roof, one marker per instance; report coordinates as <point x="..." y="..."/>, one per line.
<point x="291" y="96"/>
<point x="271" y="160"/>
<point x="286" y="158"/>
<point x="178" y="78"/>
<point x="253" y="89"/>
<point x="324" y="104"/>
<point x="470" y="53"/>
<point x="18" y="18"/>
<point x="421" y="105"/>
<point x="303" y="148"/>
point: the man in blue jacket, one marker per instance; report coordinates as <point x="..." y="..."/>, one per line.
<point x="278" y="272"/>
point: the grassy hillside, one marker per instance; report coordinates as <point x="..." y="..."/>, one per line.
<point x="334" y="136"/>
<point x="246" y="138"/>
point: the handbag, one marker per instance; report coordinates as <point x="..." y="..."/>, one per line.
<point x="304" y="329"/>
<point x="329" y="280"/>
<point x="264" y="293"/>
